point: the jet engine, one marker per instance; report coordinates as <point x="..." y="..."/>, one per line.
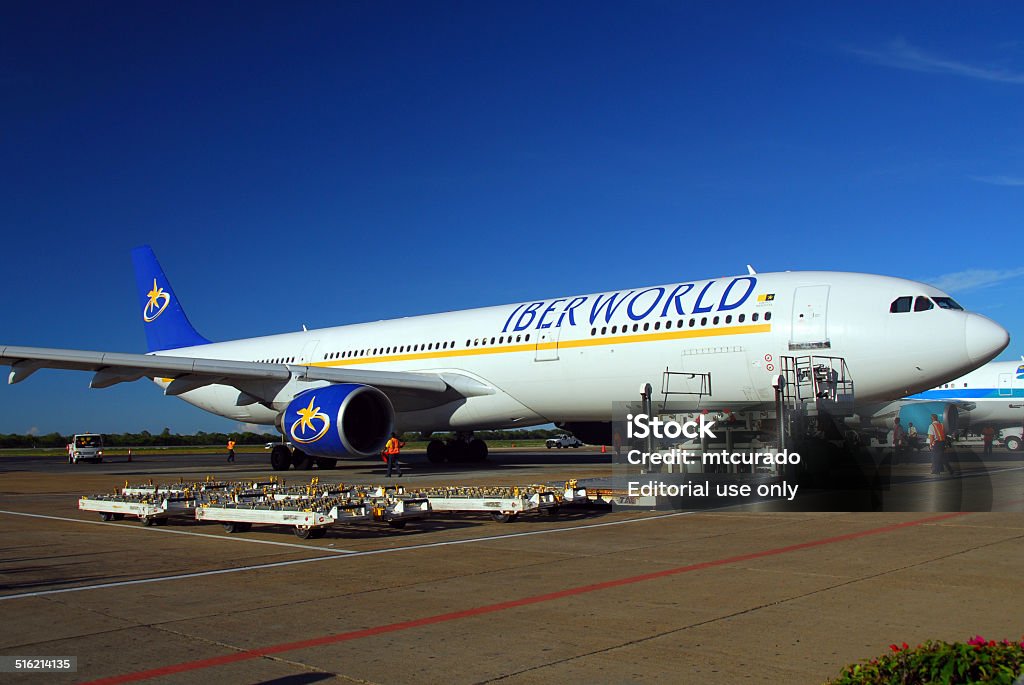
<point x="920" y="414"/>
<point x="339" y="421"/>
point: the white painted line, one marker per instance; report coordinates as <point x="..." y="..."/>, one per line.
<point x="161" y="529"/>
<point x="348" y="555"/>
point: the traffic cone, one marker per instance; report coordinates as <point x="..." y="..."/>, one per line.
<point x="603" y="449"/>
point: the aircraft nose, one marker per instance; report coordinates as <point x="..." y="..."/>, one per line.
<point x="984" y="338"/>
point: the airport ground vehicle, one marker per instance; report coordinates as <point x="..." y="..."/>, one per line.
<point x="85" y="447"/>
<point x="563" y="441"/>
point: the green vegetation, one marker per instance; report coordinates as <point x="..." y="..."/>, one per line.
<point x="56" y="441"/>
<point x="976" y="661"/>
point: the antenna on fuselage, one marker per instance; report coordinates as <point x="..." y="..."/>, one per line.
<point x="750" y="270"/>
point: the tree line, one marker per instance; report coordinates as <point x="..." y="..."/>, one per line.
<point x="168" y="439"/>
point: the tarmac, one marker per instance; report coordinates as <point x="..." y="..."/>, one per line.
<point x="590" y="595"/>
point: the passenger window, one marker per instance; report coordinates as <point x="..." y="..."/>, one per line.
<point x="901" y="305"/>
<point x="922" y="304"/>
<point x="743" y="317"/>
<point x="767" y="316"/>
<point x="753" y="317"/>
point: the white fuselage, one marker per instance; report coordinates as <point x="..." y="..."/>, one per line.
<point x="570" y="358"/>
<point x="996" y="391"/>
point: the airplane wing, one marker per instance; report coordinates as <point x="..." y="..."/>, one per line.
<point x="408" y="390"/>
<point x="117" y="367"/>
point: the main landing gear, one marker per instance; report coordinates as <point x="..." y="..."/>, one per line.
<point x="282" y="457"/>
<point x="463" y="449"/>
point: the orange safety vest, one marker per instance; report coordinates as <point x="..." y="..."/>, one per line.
<point x="940" y="432"/>
<point x="392" y="446"/>
<point x="231" y="444"/>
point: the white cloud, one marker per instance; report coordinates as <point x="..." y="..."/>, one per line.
<point x="1013" y="181"/>
<point x="971" y="279"/>
<point x="899" y="54"/>
<point x="34" y="430"/>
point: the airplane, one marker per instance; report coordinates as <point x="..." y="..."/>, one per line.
<point x="992" y="395"/>
<point x="338" y="393"/>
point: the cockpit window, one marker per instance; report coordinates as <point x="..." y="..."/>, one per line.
<point x="947" y="303"/>
<point x="901" y="305"/>
<point x="923" y="304"/>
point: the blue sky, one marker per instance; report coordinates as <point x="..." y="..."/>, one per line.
<point x="323" y="163"/>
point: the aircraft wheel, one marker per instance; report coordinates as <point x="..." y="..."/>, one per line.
<point x="477" y="450"/>
<point x="280" y="458"/>
<point x="436" y="452"/>
<point x="301" y="461"/>
<point x="457" y="451"/>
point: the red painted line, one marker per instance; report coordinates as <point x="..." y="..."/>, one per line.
<point x="501" y="606"/>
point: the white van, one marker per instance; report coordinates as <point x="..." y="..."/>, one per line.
<point x="85" y="446"/>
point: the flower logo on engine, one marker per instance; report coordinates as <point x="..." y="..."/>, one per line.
<point x="311" y="425"/>
<point x="157" y="303"/>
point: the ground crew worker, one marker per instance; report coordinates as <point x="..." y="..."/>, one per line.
<point x="988" y="434"/>
<point x="391" y="451"/>
<point x="898" y="440"/>
<point x="937" y="441"/>
<point x="231" y="450"/>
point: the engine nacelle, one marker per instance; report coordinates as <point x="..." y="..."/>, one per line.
<point x="339" y="421"/>
<point x="920" y="414"/>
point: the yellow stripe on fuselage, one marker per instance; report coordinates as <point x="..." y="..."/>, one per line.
<point x="561" y="345"/>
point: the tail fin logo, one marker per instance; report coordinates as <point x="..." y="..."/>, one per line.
<point x="311" y="421"/>
<point x="156" y="304"/>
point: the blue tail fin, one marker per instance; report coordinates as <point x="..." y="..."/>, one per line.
<point x="167" y="327"/>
